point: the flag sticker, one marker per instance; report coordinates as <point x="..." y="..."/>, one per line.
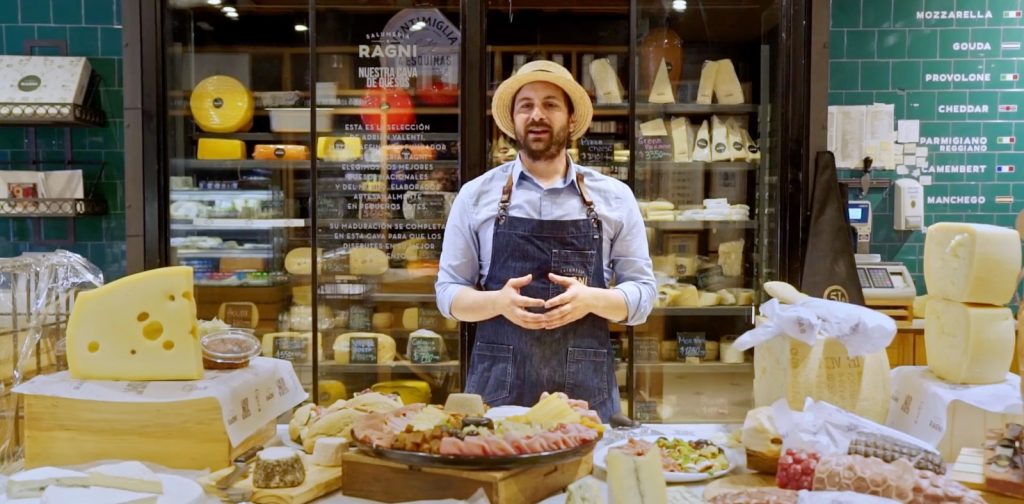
<point x="1004" y="199"/>
<point x="1010" y="14"/>
<point x="1006" y="168"/>
<point x="1007" y="108"/>
<point x="1011" y="46"/>
<point x="1009" y="77"/>
<point x="1006" y="140"/>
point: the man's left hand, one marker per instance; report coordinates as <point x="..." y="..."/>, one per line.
<point x="569" y="306"/>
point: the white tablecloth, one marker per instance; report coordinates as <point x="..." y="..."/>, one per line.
<point x="714" y="432"/>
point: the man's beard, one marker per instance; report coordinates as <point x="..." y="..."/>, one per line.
<point x="543" y="151"/>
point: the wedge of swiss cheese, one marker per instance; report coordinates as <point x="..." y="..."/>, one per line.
<point x="141" y="327"/>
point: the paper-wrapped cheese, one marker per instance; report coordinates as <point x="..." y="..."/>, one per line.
<point x="727" y="84"/>
<point x="920" y="306"/>
<point x="385" y="346"/>
<point x="737" y="145"/>
<point x="968" y="343"/>
<point x="719" y="140"/>
<point x="221" y="104"/>
<point x="681" y="141"/>
<point x="787" y="368"/>
<point x="971" y="263"/>
<point x="654" y="127"/>
<point x="606" y="81"/>
<point x="702" y="145"/>
<point x="753" y="151"/>
<point x="661" y="90"/>
<point x="706" y="87"/>
<point x="730" y="257"/>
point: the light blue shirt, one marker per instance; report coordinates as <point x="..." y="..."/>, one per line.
<point x="466" y="250"/>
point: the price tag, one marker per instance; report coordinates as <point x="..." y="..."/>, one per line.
<point x="647" y="350"/>
<point x="363" y="350"/>
<point x="291" y="348"/>
<point x="654" y="148"/>
<point x="424" y="350"/>
<point x="596" y="149"/>
<point x="617" y="349"/>
<point x="690" y="344"/>
<point x="360" y="318"/>
<point x="241" y="315"/>
<point x="646" y="411"/>
<point x="429" y="318"/>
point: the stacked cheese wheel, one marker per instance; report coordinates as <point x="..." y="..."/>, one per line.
<point x="971" y="274"/>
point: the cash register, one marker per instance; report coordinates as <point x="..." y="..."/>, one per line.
<point x="883" y="283"/>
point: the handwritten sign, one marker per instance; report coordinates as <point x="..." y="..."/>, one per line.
<point x="424" y="350"/>
<point x="647" y="350"/>
<point x="690" y="345"/>
<point x="360" y="318"/>
<point x="363" y="350"/>
<point x="646" y="411"/>
<point x="291" y="348"/>
<point x="242" y="315"/>
<point x="654" y="148"/>
<point x="596" y="149"/>
<point x="429" y="318"/>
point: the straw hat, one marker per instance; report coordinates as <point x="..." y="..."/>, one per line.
<point x="546" y="71"/>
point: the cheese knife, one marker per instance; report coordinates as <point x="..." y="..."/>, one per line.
<point x="241" y="464"/>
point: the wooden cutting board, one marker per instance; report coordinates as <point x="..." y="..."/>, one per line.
<point x="319" y="481"/>
<point x="738" y="482"/>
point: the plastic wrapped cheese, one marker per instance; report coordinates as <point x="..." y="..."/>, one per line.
<point x="702" y="145"/>
<point x="681" y="141"/>
<point x="706" y="87"/>
<point x="727" y="84"/>
<point x="971" y="263"/>
<point x="730" y="257"/>
<point x="221" y="104"/>
<point x="968" y="343"/>
<point x="385" y="347"/>
<point x="606" y="81"/>
<point x="790" y="369"/>
<point x="719" y="140"/>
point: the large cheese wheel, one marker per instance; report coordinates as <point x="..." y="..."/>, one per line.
<point x="385" y="347"/>
<point x="221" y="104"/>
<point x="299" y="261"/>
<point x="971" y="263"/>
<point x="790" y="369"/>
<point x="968" y="343"/>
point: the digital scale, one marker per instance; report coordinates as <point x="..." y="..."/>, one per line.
<point x="859" y="213"/>
<point x="884" y="282"/>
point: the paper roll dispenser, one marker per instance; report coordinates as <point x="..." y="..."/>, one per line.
<point x="909" y="205"/>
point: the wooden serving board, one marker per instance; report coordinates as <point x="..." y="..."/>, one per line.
<point x="969" y="471"/>
<point x="320" y="481"/>
<point x="738" y="482"/>
<point x="380" y="480"/>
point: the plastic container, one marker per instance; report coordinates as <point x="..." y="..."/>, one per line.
<point x="229" y="349"/>
<point x="296" y="120"/>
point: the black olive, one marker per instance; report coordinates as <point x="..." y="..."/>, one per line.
<point x="478" y="422"/>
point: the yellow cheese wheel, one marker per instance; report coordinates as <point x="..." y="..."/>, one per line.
<point x="411" y="391"/>
<point x="340" y="149"/>
<point x="299" y="261"/>
<point x="331" y="391"/>
<point x="220" y="148"/>
<point x="221" y="104"/>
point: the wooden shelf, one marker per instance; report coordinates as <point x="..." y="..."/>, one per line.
<point x="707" y="311"/>
<point x="695" y="109"/>
<point x="702" y="368"/>
<point x="700" y="225"/>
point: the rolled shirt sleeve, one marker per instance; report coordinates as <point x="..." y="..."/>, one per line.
<point x="460" y="261"/>
<point x="631" y="264"/>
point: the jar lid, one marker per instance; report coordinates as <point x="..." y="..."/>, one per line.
<point x="230" y="345"/>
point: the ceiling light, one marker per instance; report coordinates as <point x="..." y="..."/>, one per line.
<point x="679" y="5"/>
<point x="228" y="8"/>
<point x="301" y="28"/>
<point x="214" y="2"/>
<point x="231" y="15"/>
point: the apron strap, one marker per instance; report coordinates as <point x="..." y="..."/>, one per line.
<point x="585" y="196"/>
<point x="506" y="199"/>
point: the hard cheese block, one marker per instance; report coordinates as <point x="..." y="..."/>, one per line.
<point x="220" y="148"/>
<point x="787" y="368"/>
<point x="971" y="263"/>
<point x="636" y="480"/>
<point x="141" y="327"/>
<point x="968" y="343"/>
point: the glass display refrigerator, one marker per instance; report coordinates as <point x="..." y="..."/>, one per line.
<point x="313" y="156"/>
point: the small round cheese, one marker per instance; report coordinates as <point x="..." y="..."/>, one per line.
<point x="278" y="467"/>
<point x="467" y="404"/>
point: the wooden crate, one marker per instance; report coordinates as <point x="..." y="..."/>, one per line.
<point x="181" y="435"/>
<point x="372" y="478"/>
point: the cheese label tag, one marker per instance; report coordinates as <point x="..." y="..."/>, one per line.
<point x="646" y="411"/>
<point x="647" y="350"/>
<point x="690" y="344"/>
<point x="290" y="348"/>
<point x="360" y="318"/>
<point x="424" y="350"/>
<point x="239" y="315"/>
<point x="654" y="148"/>
<point x="363" y="350"/>
<point x="429" y="318"/>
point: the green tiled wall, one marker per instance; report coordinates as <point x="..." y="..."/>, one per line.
<point x="92" y="28"/>
<point x="882" y="51"/>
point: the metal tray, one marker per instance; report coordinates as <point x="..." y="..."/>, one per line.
<point x="457" y="462"/>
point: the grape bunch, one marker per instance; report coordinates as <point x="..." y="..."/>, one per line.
<point x="796" y="469"/>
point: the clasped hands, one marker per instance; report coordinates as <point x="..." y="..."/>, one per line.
<point x="570" y="306"/>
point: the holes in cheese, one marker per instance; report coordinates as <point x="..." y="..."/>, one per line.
<point x="109" y="339"/>
<point x="153" y="330"/>
<point x="971" y="263"/>
<point x="968" y="343"/>
<point x="187" y="295"/>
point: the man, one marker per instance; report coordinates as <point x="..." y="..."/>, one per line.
<point x="530" y="248"/>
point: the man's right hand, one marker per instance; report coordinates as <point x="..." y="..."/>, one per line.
<point x="513" y="306"/>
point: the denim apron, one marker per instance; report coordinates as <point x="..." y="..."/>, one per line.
<point x="513" y="365"/>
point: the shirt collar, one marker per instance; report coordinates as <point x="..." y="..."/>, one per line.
<point x="519" y="171"/>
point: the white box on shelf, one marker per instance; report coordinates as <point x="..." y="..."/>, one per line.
<point x="44" y="79"/>
<point x="296" y="120"/>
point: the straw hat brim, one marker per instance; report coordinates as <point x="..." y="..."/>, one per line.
<point x="501" y="104"/>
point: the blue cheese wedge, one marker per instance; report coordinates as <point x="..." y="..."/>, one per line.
<point x="33" y="482"/>
<point x="95" y="495"/>
<point x="132" y="476"/>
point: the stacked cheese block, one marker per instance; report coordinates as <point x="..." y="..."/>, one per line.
<point x="970" y="271"/>
<point x="723" y="139"/>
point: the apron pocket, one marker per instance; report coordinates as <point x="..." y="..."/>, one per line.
<point x="586" y="375"/>
<point x="491" y="374"/>
<point x="576" y="264"/>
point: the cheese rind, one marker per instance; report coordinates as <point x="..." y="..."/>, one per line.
<point x="132" y="476"/>
<point x="971" y="263"/>
<point x="636" y="480"/>
<point x="141" y="327"/>
<point x="33" y="482"/>
<point x="968" y="343"/>
<point x="278" y="467"/>
<point x="385" y="347"/>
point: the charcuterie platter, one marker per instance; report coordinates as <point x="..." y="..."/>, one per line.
<point x="478" y="462"/>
